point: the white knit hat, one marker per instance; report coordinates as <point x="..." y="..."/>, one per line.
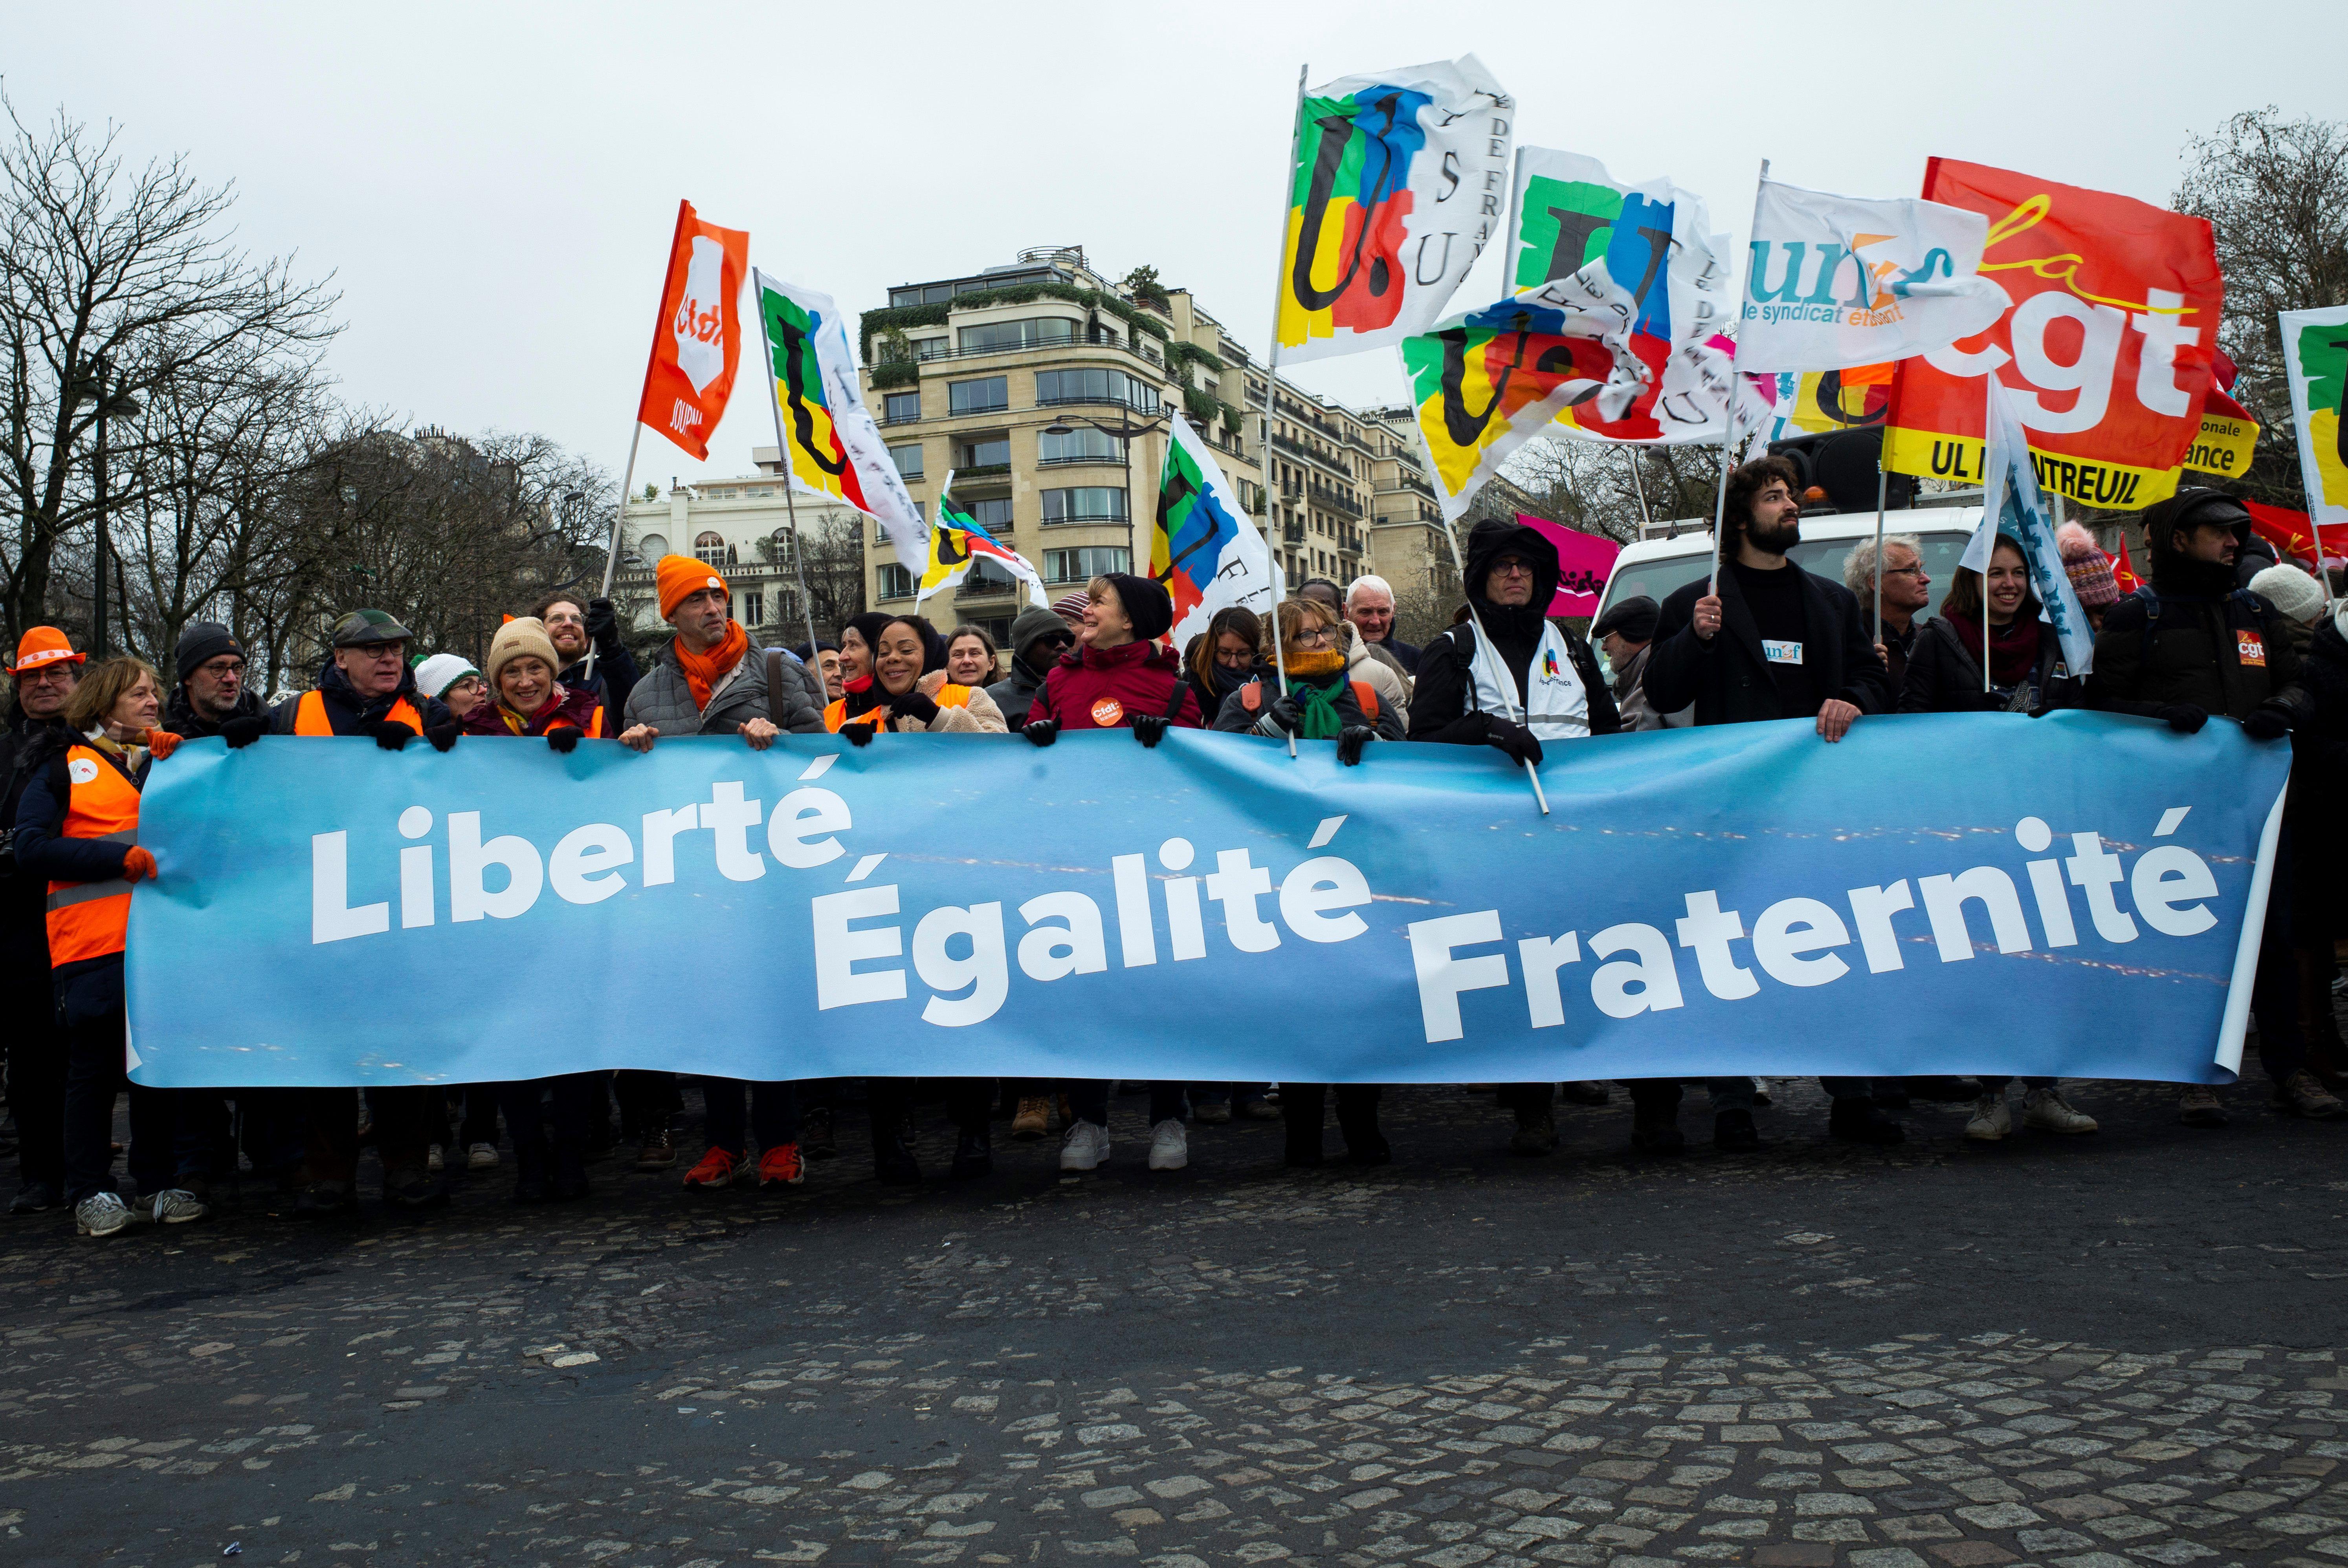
<point x="2291" y="590"/>
<point x="442" y="671"/>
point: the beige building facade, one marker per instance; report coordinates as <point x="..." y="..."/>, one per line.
<point x="740" y="525"/>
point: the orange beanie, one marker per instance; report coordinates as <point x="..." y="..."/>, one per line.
<point x="683" y="575"/>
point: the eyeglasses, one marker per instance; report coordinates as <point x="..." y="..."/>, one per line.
<point x="1312" y="636"/>
<point x="1513" y="567"/>
<point x="1915" y="570"/>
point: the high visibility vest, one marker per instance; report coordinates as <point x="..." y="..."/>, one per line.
<point x="310" y="718"/>
<point x="89" y="919"/>
<point x="949" y="696"/>
<point x="1556" y="707"/>
<point x="516" y="725"/>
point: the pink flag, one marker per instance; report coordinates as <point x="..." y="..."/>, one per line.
<point x="1583" y="560"/>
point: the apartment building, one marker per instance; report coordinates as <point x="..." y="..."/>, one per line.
<point x="740" y="525"/>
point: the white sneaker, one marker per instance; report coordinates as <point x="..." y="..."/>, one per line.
<point x="1085" y="1147"/>
<point x="100" y="1214"/>
<point x="2047" y="1110"/>
<point x="432" y="1159"/>
<point x="481" y="1157"/>
<point x="1991" y="1120"/>
<point x="1170" y="1146"/>
<point x="177" y="1206"/>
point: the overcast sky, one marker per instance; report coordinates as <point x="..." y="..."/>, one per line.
<point x="493" y="186"/>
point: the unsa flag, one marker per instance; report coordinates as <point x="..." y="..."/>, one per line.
<point x="697" y="341"/>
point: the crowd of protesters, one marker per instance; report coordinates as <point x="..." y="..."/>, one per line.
<point x="2224" y="631"/>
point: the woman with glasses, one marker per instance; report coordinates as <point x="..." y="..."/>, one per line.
<point x="1225" y="657"/>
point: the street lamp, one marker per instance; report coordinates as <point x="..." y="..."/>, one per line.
<point x="1125" y="430"/>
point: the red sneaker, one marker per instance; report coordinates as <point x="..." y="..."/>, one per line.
<point x="780" y="1166"/>
<point x="715" y="1169"/>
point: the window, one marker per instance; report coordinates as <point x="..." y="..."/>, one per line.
<point x="652" y="547"/>
<point x="994" y="515"/>
<point x="986" y="452"/>
<point x="1056" y="386"/>
<point x="895" y="582"/>
<point x="1080" y="446"/>
<point x="989" y="396"/>
<point x="710" y="548"/>
<point x="753" y="608"/>
<point x="1035" y="332"/>
<point x="985" y="577"/>
<point x="1085" y="504"/>
<point x="1086" y="562"/>
<point x="930" y="348"/>
<point x="908" y="459"/>
<point x="900" y="407"/>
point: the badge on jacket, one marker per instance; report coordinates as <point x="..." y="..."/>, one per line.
<point x="2249" y="649"/>
<point x="1777" y="652"/>
<point x="1108" y="712"/>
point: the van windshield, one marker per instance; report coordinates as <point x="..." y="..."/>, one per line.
<point x="1657" y="579"/>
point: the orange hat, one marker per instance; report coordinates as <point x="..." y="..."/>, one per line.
<point x="43" y="645"/>
<point x="683" y="575"/>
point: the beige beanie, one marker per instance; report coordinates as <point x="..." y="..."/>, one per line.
<point x="524" y="634"/>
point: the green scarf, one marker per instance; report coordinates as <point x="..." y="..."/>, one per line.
<point x="1321" y="720"/>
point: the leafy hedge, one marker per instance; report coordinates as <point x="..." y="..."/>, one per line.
<point x="1181" y="356"/>
<point x="896" y="372"/>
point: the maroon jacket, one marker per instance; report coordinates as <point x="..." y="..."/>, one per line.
<point x="1093" y="689"/>
<point x="575" y="706"/>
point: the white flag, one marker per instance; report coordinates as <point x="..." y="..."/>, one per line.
<point x="1835" y="282"/>
<point x="2013" y="504"/>
<point x="2315" y="362"/>
<point x="1204" y="549"/>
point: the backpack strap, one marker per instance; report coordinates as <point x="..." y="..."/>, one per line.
<point x="775" y="709"/>
<point x="1367" y="696"/>
<point x="1174" y="705"/>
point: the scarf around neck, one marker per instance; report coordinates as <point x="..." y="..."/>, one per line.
<point x="704" y="671"/>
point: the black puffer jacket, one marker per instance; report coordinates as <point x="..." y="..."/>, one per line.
<point x="2195" y="637"/>
<point x="2319" y="774"/>
<point x="181" y="718"/>
<point x="1442" y="698"/>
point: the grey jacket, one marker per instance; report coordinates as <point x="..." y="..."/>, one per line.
<point x="664" y="700"/>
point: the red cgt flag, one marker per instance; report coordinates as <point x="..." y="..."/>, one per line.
<point x="697" y="342"/>
<point x="2124" y="571"/>
<point x="2290" y="533"/>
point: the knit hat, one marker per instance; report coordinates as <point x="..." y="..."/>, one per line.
<point x="2298" y="596"/>
<point x="2089" y="568"/>
<point x="1634" y="618"/>
<point x="524" y="635"/>
<point x="682" y="575"/>
<point x="202" y="640"/>
<point x="442" y="671"/>
<point x="369" y="628"/>
<point x="1148" y="606"/>
<point x="1035" y="622"/>
<point x="44" y="645"/>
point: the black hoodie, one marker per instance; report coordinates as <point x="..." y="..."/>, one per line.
<point x="1442" y="706"/>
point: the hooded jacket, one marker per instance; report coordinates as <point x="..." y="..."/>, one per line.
<point x="1015" y="693"/>
<point x="1442" y="698"/>
<point x="1095" y="689"/>
<point x="181" y="718"/>
<point x="344" y="710"/>
<point x="570" y="706"/>
<point x="664" y="699"/>
<point x="2195" y="637"/>
<point x="23" y="897"/>
<point x="1729" y="680"/>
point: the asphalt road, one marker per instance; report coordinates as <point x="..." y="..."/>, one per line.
<point x="2095" y="1352"/>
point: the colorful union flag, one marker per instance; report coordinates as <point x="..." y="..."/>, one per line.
<point x="697" y="342"/>
<point x="958" y="542"/>
<point x="1203" y="547"/>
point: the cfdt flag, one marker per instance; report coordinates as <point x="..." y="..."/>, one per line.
<point x="697" y="342"/>
<point x="835" y="450"/>
<point x="2105" y="350"/>
<point x="2315" y="359"/>
<point x="959" y="542"/>
<point x="1203" y="547"/>
<point x="1396" y="183"/>
<point x="1836" y="283"/>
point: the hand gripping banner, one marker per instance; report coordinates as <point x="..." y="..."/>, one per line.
<point x="1743" y="899"/>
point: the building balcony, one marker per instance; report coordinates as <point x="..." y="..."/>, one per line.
<point x="984" y="471"/>
<point x="1336" y="503"/>
<point x="1141" y="348"/>
<point x="1292" y="533"/>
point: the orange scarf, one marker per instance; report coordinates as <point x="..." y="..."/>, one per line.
<point x="704" y="671"/>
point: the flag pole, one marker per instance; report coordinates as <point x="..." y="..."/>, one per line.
<point x="1638" y="489"/>
<point x="1279" y="656"/>
<point x="627" y="481"/>
<point x="1728" y="441"/>
<point x="1883" y="489"/>
<point x="783" y="451"/>
<point x="1540" y="797"/>
<point x="1272" y="379"/>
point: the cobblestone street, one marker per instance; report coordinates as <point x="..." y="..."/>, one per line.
<point x="2095" y="1352"/>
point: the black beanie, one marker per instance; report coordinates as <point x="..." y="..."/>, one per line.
<point x="203" y="640"/>
<point x="1634" y="618"/>
<point x="1147" y="605"/>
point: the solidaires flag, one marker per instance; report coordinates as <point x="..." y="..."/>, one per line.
<point x="958" y="542"/>
<point x="1203" y="547"/>
<point x="2315" y="359"/>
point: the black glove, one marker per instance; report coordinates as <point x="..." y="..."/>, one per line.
<point x="1521" y="743"/>
<point x="388" y="735"/>
<point x="858" y="734"/>
<point x="241" y="732"/>
<point x="442" y="736"/>
<point x="2183" y="717"/>
<point x="564" y="739"/>
<point x="2269" y="721"/>
<point x="1150" y="728"/>
<point x="1042" y="733"/>
<point x="1350" y="741"/>
<point x="915" y="704"/>
<point x="602" y="622"/>
<point x="1288" y="713"/>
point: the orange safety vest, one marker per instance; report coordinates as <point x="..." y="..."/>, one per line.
<point x="310" y="718"/>
<point x="949" y="696"/>
<point x="593" y="731"/>
<point x="89" y="919"/>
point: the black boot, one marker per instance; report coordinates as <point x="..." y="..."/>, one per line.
<point x="1365" y="1144"/>
<point x="1300" y="1109"/>
<point x="894" y="1161"/>
<point x="815" y="1134"/>
<point x="974" y="1153"/>
<point x="570" y="1172"/>
<point x="1733" y="1132"/>
<point x="1655" y="1123"/>
<point x="1858" y="1122"/>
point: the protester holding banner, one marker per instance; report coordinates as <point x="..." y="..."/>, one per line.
<point x="970" y="656"/>
<point x="2197" y="645"/>
<point x="1038" y="639"/>
<point x="2026" y="661"/>
<point x="212" y="689"/>
<point x="1906" y="589"/>
<point x="44" y="675"/>
<point x="1370" y="606"/>
<point x="529" y="700"/>
<point x="1225" y="657"/>
<point x="2318" y="871"/>
<point x="595" y="658"/>
<point x="452" y="678"/>
<point x="1325" y="699"/>
<point x="908" y="693"/>
<point x="1625" y="634"/>
<point x="711" y="681"/>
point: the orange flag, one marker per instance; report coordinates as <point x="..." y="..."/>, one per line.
<point x="697" y="342"/>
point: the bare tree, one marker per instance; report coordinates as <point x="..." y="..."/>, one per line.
<point x="133" y="275"/>
<point x="835" y="571"/>
<point x="2276" y="192"/>
<point x="1589" y="485"/>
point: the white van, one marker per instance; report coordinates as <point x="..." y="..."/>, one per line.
<point x="1664" y="561"/>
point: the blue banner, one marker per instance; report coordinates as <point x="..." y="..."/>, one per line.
<point x="1974" y="893"/>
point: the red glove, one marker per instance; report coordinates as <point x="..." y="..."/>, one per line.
<point x="162" y="742"/>
<point x="138" y="862"/>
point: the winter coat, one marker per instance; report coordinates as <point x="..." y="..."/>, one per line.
<point x="1943" y="677"/>
<point x="1236" y="716"/>
<point x="664" y="699"/>
<point x="1442" y="699"/>
<point x="975" y="715"/>
<point x="1095" y="689"/>
<point x="572" y="707"/>
<point x="1015" y="693"/>
<point x="2184" y="642"/>
<point x="1727" y="679"/>
<point x="2319" y="775"/>
<point x="1405" y="654"/>
<point x="1629" y="701"/>
<point x="23" y="897"/>
<point x="346" y="713"/>
<point x="613" y="676"/>
<point x="179" y="715"/>
<point x="91" y="987"/>
<point x="1363" y="662"/>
